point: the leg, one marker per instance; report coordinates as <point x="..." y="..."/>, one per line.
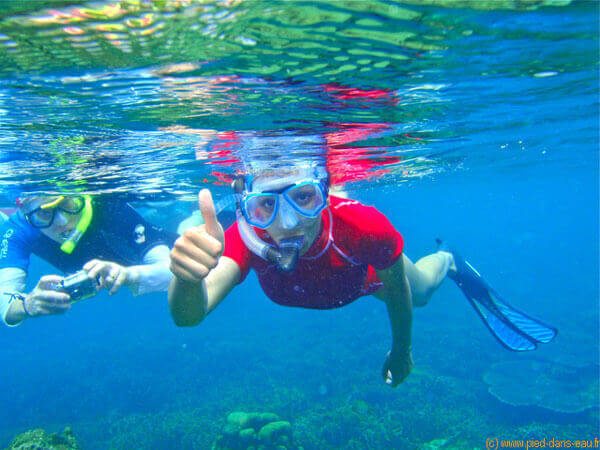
<point x="426" y="275"/>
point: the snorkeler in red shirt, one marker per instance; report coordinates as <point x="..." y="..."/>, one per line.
<point x="312" y="250"/>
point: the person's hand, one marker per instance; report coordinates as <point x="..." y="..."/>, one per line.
<point x="45" y="299"/>
<point x="197" y="251"/>
<point x="107" y="275"/>
<point x="397" y="367"/>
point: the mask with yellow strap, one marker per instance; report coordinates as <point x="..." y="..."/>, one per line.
<point x="42" y="215"/>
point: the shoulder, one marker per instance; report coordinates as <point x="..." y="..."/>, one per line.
<point x="109" y="209"/>
<point x="17" y="228"/>
<point x="17" y="240"/>
<point x="356" y="215"/>
<point x="236" y="250"/>
<point x="118" y="217"/>
<point x="365" y="232"/>
<point x="233" y="239"/>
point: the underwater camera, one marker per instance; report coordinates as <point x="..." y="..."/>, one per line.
<point x="79" y="286"/>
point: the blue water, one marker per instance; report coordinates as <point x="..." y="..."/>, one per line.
<point x="505" y="167"/>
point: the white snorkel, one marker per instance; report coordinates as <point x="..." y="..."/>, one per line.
<point x="285" y="257"/>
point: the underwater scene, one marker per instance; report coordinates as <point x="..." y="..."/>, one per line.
<point x="329" y="224"/>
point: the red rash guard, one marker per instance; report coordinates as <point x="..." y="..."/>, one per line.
<point x="340" y="266"/>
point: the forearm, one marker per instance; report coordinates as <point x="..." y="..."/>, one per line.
<point x="154" y="275"/>
<point x="149" y="278"/>
<point x="396" y="294"/>
<point x="399" y="308"/>
<point x="188" y="302"/>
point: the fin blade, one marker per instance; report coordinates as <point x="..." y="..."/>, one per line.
<point x="533" y="328"/>
<point x="508" y="336"/>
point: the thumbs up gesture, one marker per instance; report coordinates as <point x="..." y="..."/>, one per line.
<point x="198" y="250"/>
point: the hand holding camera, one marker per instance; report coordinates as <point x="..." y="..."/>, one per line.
<point x="47" y="298"/>
<point x="108" y="275"/>
<point x="54" y="294"/>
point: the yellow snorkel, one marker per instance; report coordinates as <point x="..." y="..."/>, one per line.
<point x="86" y="218"/>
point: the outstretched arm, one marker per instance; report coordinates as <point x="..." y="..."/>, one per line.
<point x="397" y="297"/>
<point x="202" y="276"/>
<point x="151" y="276"/>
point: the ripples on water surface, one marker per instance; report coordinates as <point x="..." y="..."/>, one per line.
<point x="151" y="96"/>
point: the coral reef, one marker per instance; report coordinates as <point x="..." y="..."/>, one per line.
<point x="444" y="403"/>
<point x="556" y="387"/>
<point x="38" y="439"/>
<point x="255" y="430"/>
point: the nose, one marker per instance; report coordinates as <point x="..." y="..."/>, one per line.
<point x="60" y="218"/>
<point x="287" y="215"/>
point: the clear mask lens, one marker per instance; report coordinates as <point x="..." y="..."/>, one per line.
<point x="72" y="205"/>
<point x="260" y="209"/>
<point x="307" y="199"/>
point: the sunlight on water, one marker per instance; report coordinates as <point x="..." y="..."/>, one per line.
<point x="144" y="95"/>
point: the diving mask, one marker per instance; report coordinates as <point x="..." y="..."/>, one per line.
<point x="307" y="198"/>
<point x="260" y="200"/>
<point x="44" y="214"/>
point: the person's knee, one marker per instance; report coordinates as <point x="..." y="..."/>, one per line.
<point x="420" y="299"/>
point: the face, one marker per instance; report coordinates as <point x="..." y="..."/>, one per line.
<point x="307" y="227"/>
<point x="288" y="222"/>
<point x="63" y="215"/>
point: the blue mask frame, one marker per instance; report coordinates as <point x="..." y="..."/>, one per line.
<point x="285" y="193"/>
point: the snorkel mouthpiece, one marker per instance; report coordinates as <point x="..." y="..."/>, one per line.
<point x="285" y="257"/>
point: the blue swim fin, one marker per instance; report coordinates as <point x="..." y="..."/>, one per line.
<point x="514" y="329"/>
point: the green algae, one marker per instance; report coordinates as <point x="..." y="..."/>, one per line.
<point x="38" y="439"/>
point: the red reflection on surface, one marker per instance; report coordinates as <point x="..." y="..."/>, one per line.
<point x="222" y="155"/>
<point x="347" y="163"/>
<point x="349" y="93"/>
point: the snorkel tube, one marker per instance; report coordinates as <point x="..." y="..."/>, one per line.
<point x="86" y="218"/>
<point x="284" y="257"/>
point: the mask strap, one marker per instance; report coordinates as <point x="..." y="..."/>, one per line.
<point x="52" y="204"/>
<point x="226" y="202"/>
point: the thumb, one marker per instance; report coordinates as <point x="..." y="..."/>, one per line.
<point x="49" y="282"/>
<point x="209" y="214"/>
<point x="386" y="373"/>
